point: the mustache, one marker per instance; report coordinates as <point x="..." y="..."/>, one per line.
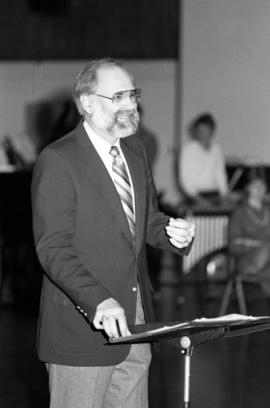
<point x="132" y="114"/>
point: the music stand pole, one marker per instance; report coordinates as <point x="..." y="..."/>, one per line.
<point x="187" y="350"/>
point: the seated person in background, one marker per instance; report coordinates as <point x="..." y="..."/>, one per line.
<point x="148" y="138"/>
<point x="249" y="232"/>
<point x="4" y="160"/>
<point x="202" y="165"/>
<point x="17" y="151"/>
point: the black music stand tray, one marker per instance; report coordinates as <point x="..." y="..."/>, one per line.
<point x="188" y="335"/>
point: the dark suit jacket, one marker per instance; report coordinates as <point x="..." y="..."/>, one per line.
<point x="85" y="247"/>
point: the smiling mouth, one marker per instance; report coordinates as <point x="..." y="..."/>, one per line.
<point x="123" y="117"/>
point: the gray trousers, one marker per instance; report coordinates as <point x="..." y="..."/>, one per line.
<point x="122" y="386"/>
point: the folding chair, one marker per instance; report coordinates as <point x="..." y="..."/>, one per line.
<point x="235" y="282"/>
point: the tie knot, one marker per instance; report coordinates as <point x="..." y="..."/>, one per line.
<point x="114" y="151"/>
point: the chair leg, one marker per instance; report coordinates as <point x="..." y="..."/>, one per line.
<point x="241" y="296"/>
<point x="226" y="298"/>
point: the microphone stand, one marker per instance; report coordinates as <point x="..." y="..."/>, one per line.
<point x="187" y="344"/>
<point x="186" y="350"/>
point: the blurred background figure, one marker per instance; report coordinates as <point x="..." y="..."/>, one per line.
<point x="67" y="118"/>
<point x="51" y="118"/>
<point x="20" y="151"/>
<point x="18" y="277"/>
<point x="249" y="231"/>
<point x="202" y="173"/>
<point x="13" y="156"/>
<point x="148" y="138"/>
<point x="4" y="159"/>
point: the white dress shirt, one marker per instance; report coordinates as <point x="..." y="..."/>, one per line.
<point x="103" y="149"/>
<point x="202" y="170"/>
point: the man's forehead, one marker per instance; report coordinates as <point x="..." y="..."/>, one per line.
<point x="114" y="79"/>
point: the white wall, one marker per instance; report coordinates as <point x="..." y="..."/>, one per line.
<point x="24" y="83"/>
<point x="226" y="70"/>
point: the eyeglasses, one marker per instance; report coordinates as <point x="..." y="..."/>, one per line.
<point x="133" y="94"/>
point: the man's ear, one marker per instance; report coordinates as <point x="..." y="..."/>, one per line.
<point x="87" y="102"/>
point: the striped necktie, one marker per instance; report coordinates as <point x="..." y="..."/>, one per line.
<point x="123" y="187"/>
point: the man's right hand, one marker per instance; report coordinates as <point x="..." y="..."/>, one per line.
<point x="110" y="317"/>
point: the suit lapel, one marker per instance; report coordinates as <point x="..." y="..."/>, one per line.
<point x="98" y="175"/>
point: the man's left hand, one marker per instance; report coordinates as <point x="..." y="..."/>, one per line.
<point x="180" y="232"/>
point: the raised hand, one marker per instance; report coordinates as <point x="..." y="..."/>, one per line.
<point x="180" y="232"/>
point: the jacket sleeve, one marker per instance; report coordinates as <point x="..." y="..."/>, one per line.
<point x="157" y="221"/>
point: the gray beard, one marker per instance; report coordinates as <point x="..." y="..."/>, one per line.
<point x="123" y="129"/>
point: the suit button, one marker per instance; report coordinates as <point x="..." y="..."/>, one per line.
<point x="134" y="289"/>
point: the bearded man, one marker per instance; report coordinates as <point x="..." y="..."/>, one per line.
<point x="94" y="210"/>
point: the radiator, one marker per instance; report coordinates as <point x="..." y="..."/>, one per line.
<point x="210" y="234"/>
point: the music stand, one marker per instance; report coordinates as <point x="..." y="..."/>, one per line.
<point x="188" y="335"/>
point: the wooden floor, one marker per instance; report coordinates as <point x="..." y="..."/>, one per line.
<point x="224" y="373"/>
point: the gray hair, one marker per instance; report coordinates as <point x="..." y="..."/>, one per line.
<point x="87" y="78"/>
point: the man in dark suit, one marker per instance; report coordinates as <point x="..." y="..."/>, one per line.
<point x="94" y="209"/>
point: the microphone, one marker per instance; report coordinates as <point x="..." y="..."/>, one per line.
<point x="185" y="342"/>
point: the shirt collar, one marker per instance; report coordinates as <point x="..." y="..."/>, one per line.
<point x="100" y="144"/>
